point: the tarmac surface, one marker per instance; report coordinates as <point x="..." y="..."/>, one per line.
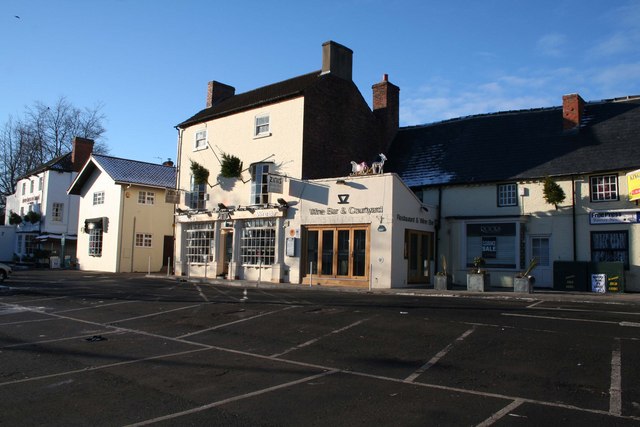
<point x="80" y="348"/>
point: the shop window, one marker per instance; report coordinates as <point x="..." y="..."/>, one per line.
<point x="337" y="251"/>
<point x="604" y="188"/>
<point x="199" y="242"/>
<point x="610" y="246"/>
<point x="30" y="244"/>
<point x="57" y="212"/>
<point x="143" y="240"/>
<point x="146" y="197"/>
<point x="260" y="183"/>
<point x="508" y="195"/>
<point x="497" y="243"/>
<point x="200" y="141"/>
<point x="258" y="242"/>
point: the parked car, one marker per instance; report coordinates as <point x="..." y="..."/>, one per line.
<point x="5" y="271"/>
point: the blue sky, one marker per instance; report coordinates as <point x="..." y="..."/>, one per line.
<point x="148" y="61"/>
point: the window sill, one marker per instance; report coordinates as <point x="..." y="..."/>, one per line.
<point x="204" y="147"/>
<point x="262" y="135"/>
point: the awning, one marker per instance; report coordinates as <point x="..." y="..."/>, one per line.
<point x="96" y="223"/>
<point x="44" y="237"/>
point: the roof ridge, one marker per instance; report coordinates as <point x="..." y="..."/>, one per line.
<point x="131" y="160"/>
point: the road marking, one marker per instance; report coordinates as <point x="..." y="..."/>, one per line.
<point x="233" y="323"/>
<point x="439" y="356"/>
<point x="313" y="341"/>
<point x="615" y="391"/>
<point x="232" y="399"/>
<point x="157" y="313"/>
<point x="572" y="319"/>
<point x="204" y="297"/>
<point x="94" y="306"/>
<point x="77" y="337"/>
<point x="631" y="324"/>
<point x="501" y="413"/>
<point x="535" y="304"/>
<point x="97" y="368"/>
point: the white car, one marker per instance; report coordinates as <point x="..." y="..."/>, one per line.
<point x="5" y="271"/>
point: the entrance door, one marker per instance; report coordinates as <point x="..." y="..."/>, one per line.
<point x="167" y="250"/>
<point x="227" y="251"/>
<point x="418" y="245"/>
<point x="337" y="252"/>
<point x="541" y="249"/>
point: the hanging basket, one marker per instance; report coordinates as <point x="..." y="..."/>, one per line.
<point x="231" y="166"/>
<point x="200" y="173"/>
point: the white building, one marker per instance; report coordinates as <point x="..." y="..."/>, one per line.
<point x="51" y="221"/>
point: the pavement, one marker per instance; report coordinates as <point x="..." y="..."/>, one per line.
<point x="538" y="294"/>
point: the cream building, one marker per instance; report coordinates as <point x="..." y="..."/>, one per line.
<point x="126" y="215"/>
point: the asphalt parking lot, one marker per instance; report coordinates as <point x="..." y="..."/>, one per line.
<point x="83" y="348"/>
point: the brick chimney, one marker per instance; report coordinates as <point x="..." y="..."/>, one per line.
<point x="572" y="111"/>
<point x="167" y="162"/>
<point x="217" y="92"/>
<point x="80" y="152"/>
<point x="386" y="107"/>
<point x="337" y="60"/>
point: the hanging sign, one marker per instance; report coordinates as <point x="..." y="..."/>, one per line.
<point x="275" y="183"/>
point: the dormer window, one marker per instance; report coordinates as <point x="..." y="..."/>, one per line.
<point x="262" y="126"/>
<point x="201" y="140"/>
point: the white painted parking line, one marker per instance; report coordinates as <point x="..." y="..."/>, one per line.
<point x="38" y="299"/>
<point x="615" y="391"/>
<point x="77" y="337"/>
<point x="233" y="323"/>
<point x="501" y="413"/>
<point x="570" y="319"/>
<point x="535" y="304"/>
<point x="97" y="368"/>
<point x="94" y="307"/>
<point x="202" y="295"/>
<point x="308" y="343"/>
<point x="157" y="313"/>
<point x="232" y="399"/>
<point x="439" y="356"/>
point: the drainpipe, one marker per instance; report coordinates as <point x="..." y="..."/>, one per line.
<point x="437" y="230"/>
<point x="573" y="215"/>
<point x="178" y="160"/>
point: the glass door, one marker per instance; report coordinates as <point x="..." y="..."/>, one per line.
<point x="337" y="252"/>
<point x="418" y="244"/>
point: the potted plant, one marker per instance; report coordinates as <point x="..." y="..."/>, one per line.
<point x="14" y="218"/>
<point x="523" y="282"/>
<point x="442" y="279"/>
<point x="230" y="166"/>
<point x="200" y="173"/>
<point x="552" y="192"/>
<point x="477" y="278"/>
<point x="32" y="217"/>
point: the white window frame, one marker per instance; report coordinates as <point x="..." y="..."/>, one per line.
<point x="95" y="242"/>
<point x="144" y="240"/>
<point x="261" y="127"/>
<point x="260" y="183"/>
<point x="508" y="194"/>
<point x="24" y="188"/>
<point x="146" y="197"/>
<point x="604" y="188"/>
<point x="258" y="242"/>
<point x="57" y="211"/>
<point x="31" y="186"/>
<point x="98" y="198"/>
<point x="200" y="140"/>
<point x="199" y="241"/>
<point x="40" y="184"/>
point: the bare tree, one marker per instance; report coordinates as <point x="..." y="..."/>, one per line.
<point x="44" y="133"/>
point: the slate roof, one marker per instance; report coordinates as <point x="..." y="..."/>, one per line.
<point x="124" y="171"/>
<point x="518" y="145"/>
<point x="264" y="95"/>
<point x="61" y="163"/>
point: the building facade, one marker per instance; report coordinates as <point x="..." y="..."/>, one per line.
<point x="487" y="175"/>
<point x="241" y="159"/>
<point x="44" y="215"/>
<point x="126" y="215"/>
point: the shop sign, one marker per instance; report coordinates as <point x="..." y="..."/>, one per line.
<point x="492" y="229"/>
<point x="31" y="199"/>
<point x="275" y="183"/>
<point x="614" y="217"/>
<point x="414" y="219"/>
<point x="633" y="184"/>
<point x="345" y="211"/>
